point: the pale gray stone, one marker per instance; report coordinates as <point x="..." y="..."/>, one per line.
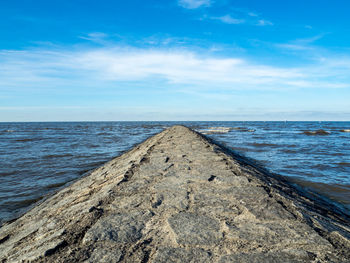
<point x="195" y="229"/>
<point x="276" y="257"/>
<point x="121" y="228"/>
<point x="181" y="255"/>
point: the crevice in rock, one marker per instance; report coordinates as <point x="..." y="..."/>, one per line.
<point x="146" y="256"/>
<point x="4" y="239"/>
<point x="26" y="238"/>
<point x="146" y="252"/>
<point x="167" y="168"/>
<point x="94" y="208"/>
<point x="53" y="250"/>
<point x="189" y="197"/>
<point x="211" y="178"/>
<point x="267" y="189"/>
<point x="158" y="202"/>
<point x="144" y="159"/>
<point x="286" y="208"/>
<point x="143" y="245"/>
<point x="122" y="256"/>
<point x="128" y="174"/>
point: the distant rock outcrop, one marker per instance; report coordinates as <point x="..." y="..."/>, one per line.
<point x="318" y="132"/>
<point x="178" y="197"/>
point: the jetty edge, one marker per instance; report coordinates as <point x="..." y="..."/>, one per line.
<point x="178" y="197"/>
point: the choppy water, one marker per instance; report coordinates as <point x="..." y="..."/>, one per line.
<point x="38" y="158"/>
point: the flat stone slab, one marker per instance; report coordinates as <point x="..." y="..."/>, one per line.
<point x="120" y="228"/>
<point x="276" y="257"/>
<point x="195" y="229"/>
<point x="178" y="197"/>
<point x="179" y="255"/>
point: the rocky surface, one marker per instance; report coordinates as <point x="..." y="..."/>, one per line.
<point x="178" y="197"/>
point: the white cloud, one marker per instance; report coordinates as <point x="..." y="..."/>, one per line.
<point x="193" y="4"/>
<point x="228" y="19"/>
<point x="178" y="70"/>
<point x="263" y="22"/>
<point x="296" y="47"/>
<point x="252" y="14"/>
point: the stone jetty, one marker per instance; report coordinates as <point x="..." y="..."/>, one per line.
<point x="178" y="197"/>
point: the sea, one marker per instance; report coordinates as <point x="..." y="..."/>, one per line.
<point x="39" y="158"/>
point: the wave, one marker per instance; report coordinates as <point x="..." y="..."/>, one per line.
<point x="50" y="156"/>
<point x="28" y="140"/>
<point x="54" y="186"/>
<point x="264" y="144"/>
<point x="243" y="149"/>
<point x="104" y="133"/>
<point x="23" y="203"/>
<point x="215" y="130"/>
<point x="5" y="173"/>
<point x="291" y="151"/>
<point x="222" y="130"/>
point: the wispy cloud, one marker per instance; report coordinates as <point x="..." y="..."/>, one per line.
<point x="301" y="44"/>
<point x="193" y="4"/>
<point x="240" y="17"/>
<point x="263" y="22"/>
<point x="94" y="36"/>
<point x="228" y="19"/>
<point x="175" y="69"/>
<point x="252" y="14"/>
<point x="97" y="37"/>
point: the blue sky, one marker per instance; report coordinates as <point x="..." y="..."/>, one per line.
<point x="174" y="60"/>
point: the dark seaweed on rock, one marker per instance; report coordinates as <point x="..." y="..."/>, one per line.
<point x="345" y="164"/>
<point x="242" y="129"/>
<point x="318" y="132"/>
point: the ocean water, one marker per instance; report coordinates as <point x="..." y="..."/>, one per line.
<point x="37" y="159"/>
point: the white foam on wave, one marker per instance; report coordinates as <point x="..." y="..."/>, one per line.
<point x="216" y="130"/>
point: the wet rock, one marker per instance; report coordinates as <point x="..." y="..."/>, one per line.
<point x="318" y="132"/>
<point x="242" y="129"/>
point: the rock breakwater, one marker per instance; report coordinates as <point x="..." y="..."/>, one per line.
<point x="178" y="197"/>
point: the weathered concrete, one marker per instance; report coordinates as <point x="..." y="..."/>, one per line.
<point x="177" y="197"/>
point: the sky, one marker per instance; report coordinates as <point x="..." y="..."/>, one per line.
<point x="230" y="60"/>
